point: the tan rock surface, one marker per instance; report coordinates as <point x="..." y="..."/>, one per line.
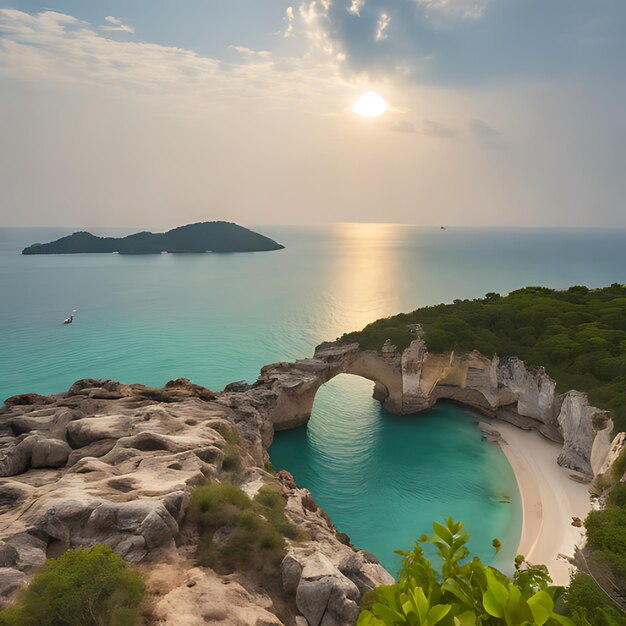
<point x="115" y="464"/>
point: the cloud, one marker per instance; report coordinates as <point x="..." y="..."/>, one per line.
<point x="403" y="127"/>
<point x="355" y="7"/>
<point x="51" y="47"/>
<point x="251" y="53"/>
<point x="484" y="133"/>
<point x="289" y="18"/>
<point x="472" y="9"/>
<point x="455" y="42"/>
<point x="116" y="25"/>
<point x="16" y="23"/>
<point x="317" y="26"/>
<point x="436" y="129"/>
<point x="381" y="27"/>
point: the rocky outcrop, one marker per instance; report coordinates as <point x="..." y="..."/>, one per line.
<point x="329" y="579"/>
<point x="193" y="596"/>
<point x="115" y="464"/>
<point x="615" y="450"/>
<point x="586" y="433"/>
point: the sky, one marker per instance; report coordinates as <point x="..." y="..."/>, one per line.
<point x="154" y="113"/>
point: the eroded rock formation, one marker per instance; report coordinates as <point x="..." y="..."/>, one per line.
<point x="415" y="379"/>
<point x="115" y="464"/>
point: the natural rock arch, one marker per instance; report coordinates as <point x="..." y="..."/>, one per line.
<point x="295" y="385"/>
<point x="415" y="379"/>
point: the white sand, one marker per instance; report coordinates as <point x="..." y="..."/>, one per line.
<point x="550" y="498"/>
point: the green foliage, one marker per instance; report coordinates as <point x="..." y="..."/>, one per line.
<point x="606" y="530"/>
<point x="578" y="335"/>
<point x="215" y="505"/>
<point x="230" y="436"/>
<point x="271" y="499"/>
<point x="272" y="505"/>
<point x="589" y="605"/>
<point x="619" y="418"/>
<point x="465" y="592"/>
<point x="84" y="587"/>
<point x="606" y="537"/>
<point x="251" y="532"/>
<point x="617" y="496"/>
<point x="232" y="459"/>
<point x="231" y="462"/>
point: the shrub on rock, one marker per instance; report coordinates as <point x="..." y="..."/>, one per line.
<point x="238" y="533"/>
<point x="83" y="587"/>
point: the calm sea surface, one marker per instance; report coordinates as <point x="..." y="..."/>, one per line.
<point x="219" y="318"/>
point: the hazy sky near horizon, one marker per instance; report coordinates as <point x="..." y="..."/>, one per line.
<point x="155" y="113"/>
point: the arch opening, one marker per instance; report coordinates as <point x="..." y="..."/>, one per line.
<point x="295" y="405"/>
<point x="296" y="384"/>
<point x="372" y="471"/>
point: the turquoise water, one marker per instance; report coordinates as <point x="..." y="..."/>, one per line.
<point x="384" y="478"/>
<point x="219" y="318"/>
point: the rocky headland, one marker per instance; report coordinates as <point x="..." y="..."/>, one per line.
<point x="112" y="463"/>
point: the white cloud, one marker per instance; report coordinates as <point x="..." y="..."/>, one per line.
<point x="251" y="53"/>
<point x="314" y="14"/>
<point x="355" y="7"/>
<point x="51" y="47"/>
<point x="381" y="26"/>
<point x="472" y="9"/>
<point x="116" y="25"/>
<point x="18" y="23"/>
<point x="289" y="17"/>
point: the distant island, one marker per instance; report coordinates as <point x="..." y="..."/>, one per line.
<point x="200" y="237"/>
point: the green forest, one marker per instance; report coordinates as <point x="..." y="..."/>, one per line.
<point x="578" y="335"/>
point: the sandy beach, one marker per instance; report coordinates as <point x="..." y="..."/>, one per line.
<point x="550" y="498"/>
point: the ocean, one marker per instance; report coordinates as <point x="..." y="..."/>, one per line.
<point x="219" y="318"/>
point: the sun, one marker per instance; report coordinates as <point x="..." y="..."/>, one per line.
<point x="370" y="104"/>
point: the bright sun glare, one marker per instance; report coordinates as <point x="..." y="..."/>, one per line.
<point x="370" y="104"/>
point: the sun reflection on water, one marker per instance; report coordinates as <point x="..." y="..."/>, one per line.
<point x="366" y="272"/>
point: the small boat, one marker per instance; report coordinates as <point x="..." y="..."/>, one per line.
<point x="70" y="319"/>
<point x="443" y="227"/>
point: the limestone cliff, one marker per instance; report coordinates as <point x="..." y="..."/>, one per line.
<point x="115" y="464"/>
